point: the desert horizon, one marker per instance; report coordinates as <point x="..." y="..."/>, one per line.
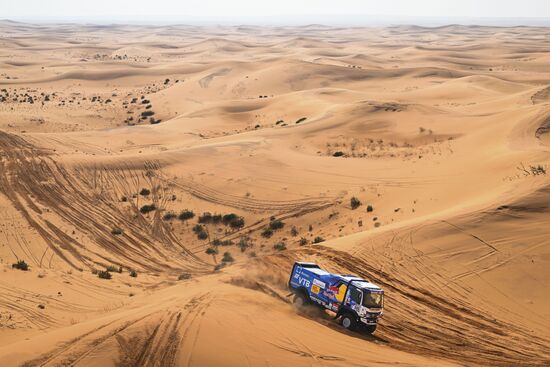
<point x="158" y="182"/>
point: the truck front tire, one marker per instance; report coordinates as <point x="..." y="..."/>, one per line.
<point x="349" y="321"/>
<point x="300" y="301"/>
<point x="369" y="329"/>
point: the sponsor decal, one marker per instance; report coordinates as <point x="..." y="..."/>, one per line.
<point x="315" y="289"/>
<point x="319" y="283"/>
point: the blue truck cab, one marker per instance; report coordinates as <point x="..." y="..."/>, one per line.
<point x="356" y="301"/>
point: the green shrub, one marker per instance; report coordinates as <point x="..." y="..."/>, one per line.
<point x="169" y="216"/>
<point x="227" y="218"/>
<point x="227" y="258"/>
<point x="216" y="242"/>
<point x="318" y="239"/>
<point x="227" y="243"/>
<point x="294" y="232"/>
<point x="369" y="208"/>
<point x="104" y="274"/>
<point x="145" y="192"/>
<point x="205" y="217"/>
<point x="237" y="222"/>
<point x="114" y="269"/>
<point x="202" y="235"/>
<point x="301" y="120"/>
<point x="279" y="246"/>
<point x="133" y="274"/>
<point x="355" y="203"/>
<point x="186" y="214"/>
<point x="20" y="265"/>
<point x="267" y="232"/>
<point x="212" y="251"/>
<point x="244" y="244"/>
<point x="197" y="228"/>
<point x="147" y="208"/>
<point x="116" y="231"/>
<point x="303" y="241"/>
<point x="184" y="276"/>
<point x="276" y="224"/>
<point x="252" y="254"/>
<point x="338" y="154"/>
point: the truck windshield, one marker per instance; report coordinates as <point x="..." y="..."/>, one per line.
<point x="373" y="300"/>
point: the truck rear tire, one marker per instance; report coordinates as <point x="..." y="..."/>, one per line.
<point x="349" y="321"/>
<point x="300" y="301"/>
<point x="369" y="329"/>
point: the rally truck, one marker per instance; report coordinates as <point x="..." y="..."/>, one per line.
<point x="356" y="302"/>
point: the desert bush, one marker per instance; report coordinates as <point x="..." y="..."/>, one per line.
<point x="20" y="265"/>
<point x="318" y="239"/>
<point x="228" y="218"/>
<point x="369" y="208"/>
<point x="227" y="257"/>
<point x="301" y="120"/>
<point x="244" y="244"/>
<point x="147" y="208"/>
<point x="338" y="154"/>
<point x="377" y="224"/>
<point x="276" y="224"/>
<point x="104" y="274"/>
<point x="355" y="203"/>
<point x="227" y="243"/>
<point x="124" y="199"/>
<point x="186" y="214"/>
<point x="237" y="222"/>
<point x="205" y="217"/>
<point x="267" y="232"/>
<point x="279" y="246"/>
<point x="114" y="269"/>
<point x="303" y="241"/>
<point x="212" y="251"/>
<point x="294" y="232"/>
<point x="147" y="113"/>
<point x="133" y="274"/>
<point x="252" y="254"/>
<point x="169" y="216"/>
<point x="216" y="218"/>
<point x="216" y="242"/>
<point x="116" y="231"/>
<point x="184" y="276"/>
<point x="145" y="192"/>
<point x="200" y="231"/>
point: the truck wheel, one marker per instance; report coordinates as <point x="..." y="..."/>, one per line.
<point x="349" y="322"/>
<point x="299" y="301"/>
<point x="369" y="329"/>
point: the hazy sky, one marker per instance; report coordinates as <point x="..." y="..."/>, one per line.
<point x="142" y="9"/>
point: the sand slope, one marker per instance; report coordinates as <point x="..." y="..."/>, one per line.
<point x="442" y="134"/>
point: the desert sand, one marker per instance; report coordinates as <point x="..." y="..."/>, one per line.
<point x="115" y="140"/>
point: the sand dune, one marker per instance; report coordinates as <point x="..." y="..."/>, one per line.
<point x="115" y="140"/>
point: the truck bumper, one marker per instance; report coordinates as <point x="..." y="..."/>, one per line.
<point x="369" y="321"/>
